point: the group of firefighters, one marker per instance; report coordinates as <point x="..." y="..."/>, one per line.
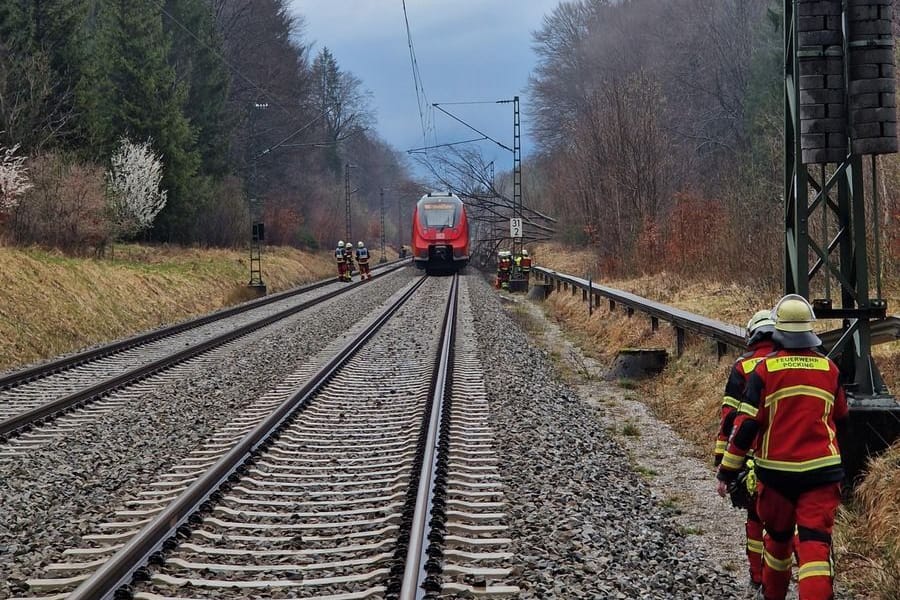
<point x="509" y="266"/>
<point x="777" y="452"/>
<point x="343" y="256"/>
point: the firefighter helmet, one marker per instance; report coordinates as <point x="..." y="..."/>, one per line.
<point x="524" y="252"/>
<point x="794" y="317"/>
<point x="360" y="245"/>
<point x="759" y="326"/>
<point x="341" y="244"/>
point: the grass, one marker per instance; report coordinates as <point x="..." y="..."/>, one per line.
<point x="627" y="384"/>
<point x="631" y="430"/>
<point x="646" y="471"/>
<point x="520" y="315"/>
<point x="687" y="395"/>
<point x="687" y="530"/>
<point x="52" y="304"/>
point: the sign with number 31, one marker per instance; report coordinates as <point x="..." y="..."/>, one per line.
<point x="515" y="227"/>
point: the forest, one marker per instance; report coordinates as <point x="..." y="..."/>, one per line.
<point x="661" y="130"/>
<point x="225" y="99"/>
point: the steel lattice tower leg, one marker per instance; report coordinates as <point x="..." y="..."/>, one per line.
<point x="824" y="76"/>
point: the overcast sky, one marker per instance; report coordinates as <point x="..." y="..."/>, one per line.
<point x="467" y="50"/>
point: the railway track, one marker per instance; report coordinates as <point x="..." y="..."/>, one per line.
<point x="34" y="397"/>
<point x="369" y="473"/>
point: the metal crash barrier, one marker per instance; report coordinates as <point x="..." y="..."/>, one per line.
<point x="874" y="425"/>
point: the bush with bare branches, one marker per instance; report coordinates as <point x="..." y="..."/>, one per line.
<point x="65" y="208"/>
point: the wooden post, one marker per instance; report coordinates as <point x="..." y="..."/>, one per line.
<point x="654" y="323"/>
<point x="679" y="341"/>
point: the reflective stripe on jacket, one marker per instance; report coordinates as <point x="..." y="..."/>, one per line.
<point x="734" y="391"/>
<point x="792" y="401"/>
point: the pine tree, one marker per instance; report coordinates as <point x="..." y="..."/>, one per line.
<point x="196" y="56"/>
<point x="136" y="94"/>
<point x="41" y="60"/>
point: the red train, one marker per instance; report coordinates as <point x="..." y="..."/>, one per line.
<point x="440" y="237"/>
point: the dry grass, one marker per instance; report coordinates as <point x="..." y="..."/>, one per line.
<point x="688" y="394"/>
<point x="868" y="533"/>
<point x="52" y="304"/>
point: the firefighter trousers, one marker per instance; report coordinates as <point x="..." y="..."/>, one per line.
<point x="812" y="513"/>
<point x="754" y="530"/>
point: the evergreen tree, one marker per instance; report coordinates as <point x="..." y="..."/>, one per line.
<point x="325" y="81"/>
<point x="41" y="60"/>
<point x="136" y="94"/>
<point x="196" y="55"/>
<point x="343" y="102"/>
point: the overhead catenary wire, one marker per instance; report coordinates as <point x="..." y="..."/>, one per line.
<point x="266" y="94"/>
<point x="421" y="97"/>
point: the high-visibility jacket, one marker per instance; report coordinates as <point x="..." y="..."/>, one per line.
<point x="362" y="256"/>
<point x="795" y="403"/>
<point x="734" y="391"/>
<point x="339" y="255"/>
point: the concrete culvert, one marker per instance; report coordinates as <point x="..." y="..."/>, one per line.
<point x="638" y="363"/>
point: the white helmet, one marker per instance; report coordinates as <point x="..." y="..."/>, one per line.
<point x="341" y="244"/>
<point x="794" y="319"/>
<point x="360" y="245"/>
<point x="760" y="325"/>
<point x="524" y="252"/>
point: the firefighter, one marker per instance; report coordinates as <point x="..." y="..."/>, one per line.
<point x="348" y="259"/>
<point x="743" y="495"/>
<point x="796" y="406"/>
<point x="341" y="262"/>
<point x="504" y="266"/>
<point x="525" y="263"/>
<point x="362" y="259"/>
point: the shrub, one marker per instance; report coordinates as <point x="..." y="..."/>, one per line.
<point x="65" y="208"/>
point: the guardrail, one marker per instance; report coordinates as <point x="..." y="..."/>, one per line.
<point x="724" y="334"/>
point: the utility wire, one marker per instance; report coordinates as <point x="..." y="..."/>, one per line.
<point x="421" y="97"/>
<point x="455" y="118"/>
<point x="268" y="95"/>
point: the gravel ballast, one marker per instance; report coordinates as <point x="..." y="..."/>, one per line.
<point x="583" y="523"/>
<point x="88" y="472"/>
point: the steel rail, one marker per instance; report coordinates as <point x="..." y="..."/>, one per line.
<point x="119" y="570"/>
<point x="26" y="419"/>
<point x="414" y="572"/>
<point x="39" y="371"/>
<point x="883" y="330"/>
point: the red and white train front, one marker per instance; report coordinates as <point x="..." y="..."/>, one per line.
<point x="440" y="239"/>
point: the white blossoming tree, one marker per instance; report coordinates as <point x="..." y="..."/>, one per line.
<point x="132" y="183"/>
<point x="13" y="178"/>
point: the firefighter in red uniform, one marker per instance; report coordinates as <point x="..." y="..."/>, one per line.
<point x="759" y="344"/>
<point x="504" y="266"/>
<point x="362" y="259"/>
<point x="525" y="264"/>
<point x="794" y="404"/>
<point x="348" y="260"/>
<point x="341" y="263"/>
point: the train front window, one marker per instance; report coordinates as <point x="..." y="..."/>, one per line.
<point x="438" y="214"/>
